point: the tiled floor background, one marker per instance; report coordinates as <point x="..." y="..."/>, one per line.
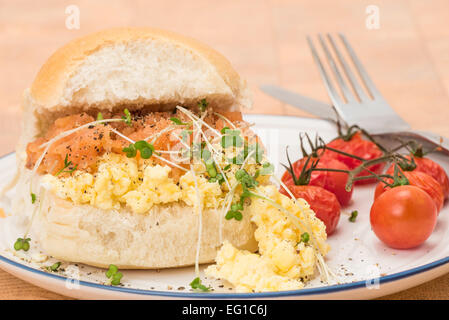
<point x="408" y="58"/>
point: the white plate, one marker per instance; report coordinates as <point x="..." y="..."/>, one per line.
<point x="365" y="267"/>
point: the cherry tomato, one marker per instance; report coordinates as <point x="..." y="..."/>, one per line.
<point x="359" y="147"/>
<point x="433" y="169"/>
<point x="322" y="202"/>
<point x="403" y="217"/>
<point x="334" y="182"/>
<point x="422" y="181"/>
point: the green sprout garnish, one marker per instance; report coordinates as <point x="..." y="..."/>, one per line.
<point x="22" y="244"/>
<point x="127" y="117"/>
<point x="33" y="198"/>
<point x="54" y="267"/>
<point x="100" y="116"/>
<point x="130" y="151"/>
<point x="353" y="216"/>
<point x="210" y="168"/>
<point x="146" y="149"/>
<point x="203" y="105"/>
<point x="197" y="285"/>
<point x="235" y="212"/>
<point x="114" y="275"/>
<point x="178" y="122"/>
<point x="67" y="164"/>
<point x="247" y="182"/>
<point x="305" y="237"/>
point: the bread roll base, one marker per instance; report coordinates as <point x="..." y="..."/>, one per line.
<point x="165" y="237"/>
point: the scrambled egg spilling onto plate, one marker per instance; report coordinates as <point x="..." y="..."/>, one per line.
<point x="283" y="260"/>
<point x="137" y="184"/>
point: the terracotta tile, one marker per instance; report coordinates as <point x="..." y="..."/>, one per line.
<point x="431" y="17"/>
<point x="438" y="51"/>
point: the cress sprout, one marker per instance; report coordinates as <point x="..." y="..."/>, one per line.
<point x="114" y="275"/>
<point x="353" y="216"/>
<point x="197" y="285"/>
<point x="54" y="267"/>
<point x="146" y="149"/>
<point x="305" y="237"/>
<point x="127" y="117"/>
<point x="22" y="244"/>
<point x="33" y="198"/>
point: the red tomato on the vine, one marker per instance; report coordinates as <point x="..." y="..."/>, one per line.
<point x="359" y="147"/>
<point x="422" y="181"/>
<point x="322" y="202"/>
<point x="334" y="182"/>
<point x="403" y="217"/>
<point x="431" y="168"/>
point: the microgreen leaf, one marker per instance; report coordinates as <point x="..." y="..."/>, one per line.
<point x="112" y="270"/>
<point x="305" y="237"/>
<point x="116" y="278"/>
<point x="178" y="122"/>
<point x="114" y="275"/>
<point x="100" y="116"/>
<point x="22" y="244"/>
<point x="54" y="267"/>
<point x="33" y="198"/>
<point x="130" y="151"/>
<point x="353" y="216"/>
<point x="127" y="117"/>
<point x="197" y="285"/>
<point x="146" y="149"/>
<point x="224" y="130"/>
<point x="146" y="153"/>
<point x="203" y="105"/>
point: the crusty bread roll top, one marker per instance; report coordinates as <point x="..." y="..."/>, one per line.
<point x="133" y="68"/>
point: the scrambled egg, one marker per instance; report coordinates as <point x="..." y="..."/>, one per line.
<point x="137" y="184"/>
<point x="283" y="258"/>
<point x="249" y="271"/>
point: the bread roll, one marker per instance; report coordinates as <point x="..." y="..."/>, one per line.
<point x="135" y="68"/>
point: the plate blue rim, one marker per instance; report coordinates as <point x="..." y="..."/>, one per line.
<point x="302" y="292"/>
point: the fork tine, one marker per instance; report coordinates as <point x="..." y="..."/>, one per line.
<point x="344" y="88"/>
<point x="369" y="84"/>
<point x="352" y="79"/>
<point x="336" y="100"/>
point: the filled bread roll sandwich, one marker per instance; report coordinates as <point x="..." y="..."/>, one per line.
<point x="134" y="153"/>
<point x="96" y="110"/>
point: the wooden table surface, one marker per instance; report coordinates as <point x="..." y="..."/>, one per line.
<point x="407" y="56"/>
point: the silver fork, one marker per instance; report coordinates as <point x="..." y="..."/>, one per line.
<point x="364" y="107"/>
